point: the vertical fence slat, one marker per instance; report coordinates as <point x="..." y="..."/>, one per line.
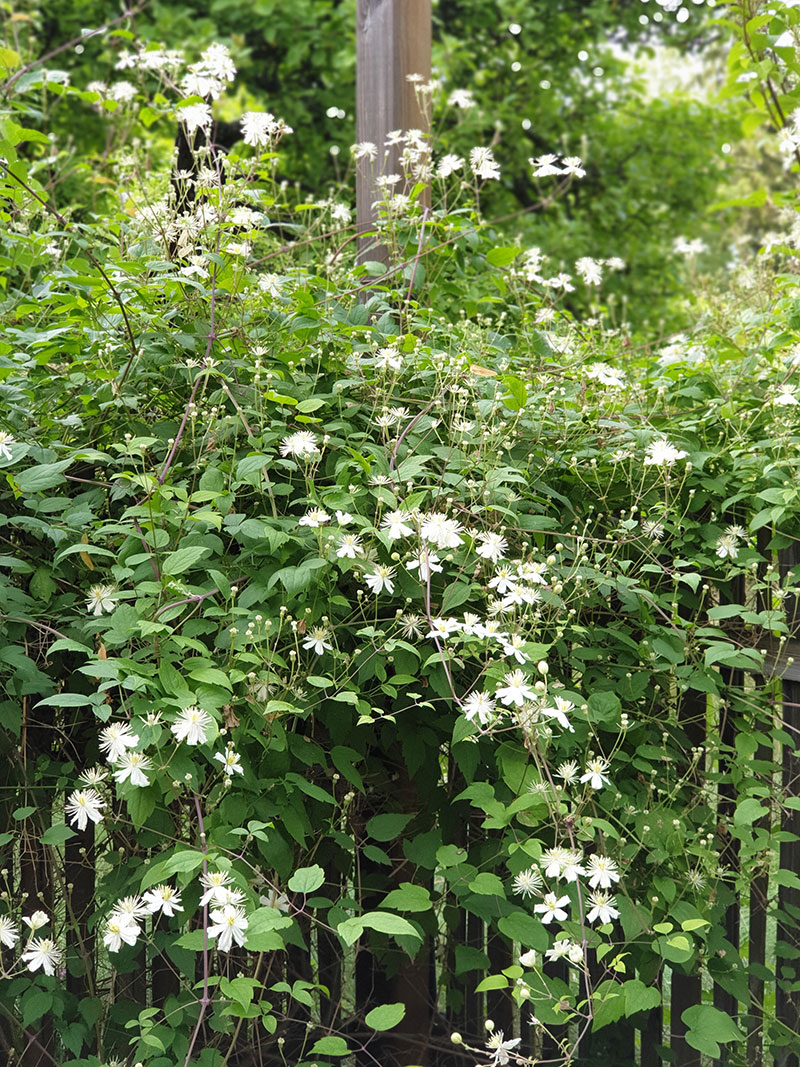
<point x="393" y="40"/>
<point x="652" y="1034"/>
<point x="788" y="932"/>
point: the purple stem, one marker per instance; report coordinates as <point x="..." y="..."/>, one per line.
<point x="205" y="999"/>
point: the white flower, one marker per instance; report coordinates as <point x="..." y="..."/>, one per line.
<point x="443" y="532"/>
<point x="492" y="546"/>
<point x="545" y="166"/>
<point x="501" y="1047"/>
<point x="605" y="374"/>
<point x="82" y="805"/>
<point x="6" y="439"/>
<point x="513" y="647"/>
<point x="516" y="689"/>
<point x="480" y="706"/>
<point x="349" y="547"/>
<point x="442" y="629"/>
<point x="192" y="725"/>
<point x="602" y="872"/>
<point x="214" y="884"/>
<point x="504" y="580"/>
<point x="594" y="773"/>
<point x="396" y="525"/>
<point x="302" y="443"/>
<point x="129" y="909"/>
<point x="9" y="934"/>
<point x="343" y="518"/>
<point x="528" y="959"/>
<point x="572" y="867"/>
<point x="427" y="562"/>
<point x="122" y="91"/>
<point x="119" y="931"/>
<point x="602" y="908"/>
<point x="314" y="517"/>
<point x="380" y="579"/>
<point x="727" y="546"/>
<point x="100" y="599"/>
<point x="574" y="165"/>
<point x="195" y="116"/>
<point x="448" y="165"/>
<point x="785" y="398"/>
<point x="132" y="765"/>
<point x="483" y="164"/>
<point x="660" y="453"/>
<point x="272" y="284"/>
<point x="42" y="952"/>
<point x="558" y="710"/>
<point x="653" y="529"/>
<point x="462" y="98"/>
<point x="229" y="926"/>
<point x="410" y="625"/>
<point x="318" y="640"/>
<point x="163" y="898"/>
<point x="116" y="739"/>
<point x="364" y="150"/>
<point x="528" y="882"/>
<point x="552" y="861"/>
<point x="568" y="770"/>
<point x="591" y="270"/>
<point x="231" y="762"/>
<point x="559" y="950"/>
<point x="36" y="921"/>
<point x="552" y="907"/>
<point x="259" y="128"/>
<point x="388" y="358"/>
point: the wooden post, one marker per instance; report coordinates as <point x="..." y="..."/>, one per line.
<point x="393" y="40"/>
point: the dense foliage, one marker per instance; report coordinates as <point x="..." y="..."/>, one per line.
<point x="389" y="656"/>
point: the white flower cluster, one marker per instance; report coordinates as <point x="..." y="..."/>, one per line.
<point x="550" y="166"/>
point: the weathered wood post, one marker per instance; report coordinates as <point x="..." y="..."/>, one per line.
<point x="393" y="41"/>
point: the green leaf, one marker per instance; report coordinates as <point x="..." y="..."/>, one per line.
<point x="307" y="879"/>
<point x="385" y="1016"/>
<point x="502" y="257"/>
<point x="710" y="1024"/>
<point x="35" y="1004"/>
<point x="383" y="921"/>
<point x="8" y="60"/>
<point x="387" y="827"/>
<point x="42" y="476"/>
<point x="523" y="928"/>
<point x="487" y="884"/>
<point x="65" y="700"/>
<point x="640" y="997"/>
<point x="183" y="559"/>
<point x="748" y="811"/>
<point x="408" y="897"/>
<point x="492" y="981"/>
<point x="330" y="1046"/>
<point x="57" y="835"/>
<point x="183" y="862"/>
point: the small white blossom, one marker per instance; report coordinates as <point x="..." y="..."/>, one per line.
<point x="594" y="773"/>
<point x="118" y="931"/>
<point x="516" y="689"/>
<point x="661" y="453"/>
<point x="303" y="443"/>
<point x="528" y="882"/>
<point x="229" y="925"/>
<point x="491" y="546"/>
<point x="83" y="805"/>
<point x="132" y="765"/>
<point x="349" y="546"/>
<point x="552" y="907"/>
<point x="116" y="739"/>
<point x="427" y="563"/>
<point x="192" y="725"/>
<point x="483" y="164"/>
<point x="214" y="883"/>
<point x="100" y="599"/>
<point x="36" y="921"/>
<point x="231" y="762"/>
<point x="380" y="579"/>
<point x="603" y="908"/>
<point x="9" y="934"/>
<point x="318" y="640"/>
<point x="602" y="872"/>
<point x="314" y="518"/>
<point x="395" y="523"/>
<point x="163" y="898"/>
<point x="480" y="706"/>
<point x="195" y="116"/>
<point x="42" y="952"/>
<point x="6" y="440"/>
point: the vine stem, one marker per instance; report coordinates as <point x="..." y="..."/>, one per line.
<point x="205" y="999"/>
